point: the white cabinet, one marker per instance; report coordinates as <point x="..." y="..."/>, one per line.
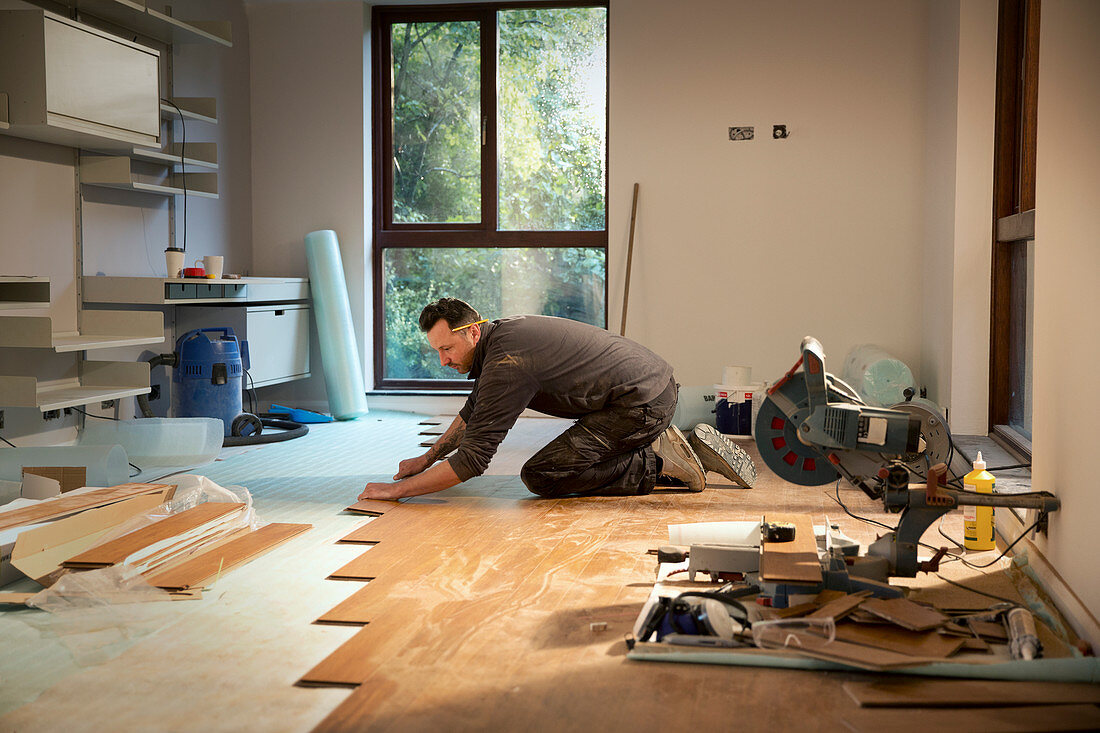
<point x="71" y="84"/>
<point x="277" y="335"/>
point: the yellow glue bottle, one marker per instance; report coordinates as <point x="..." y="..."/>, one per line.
<point x="978" y="520"/>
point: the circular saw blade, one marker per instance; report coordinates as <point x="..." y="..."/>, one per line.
<point x="782" y="451"/>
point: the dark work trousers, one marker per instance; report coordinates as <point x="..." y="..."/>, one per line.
<point x="605" y="453"/>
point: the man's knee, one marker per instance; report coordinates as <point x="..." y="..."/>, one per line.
<point x="538" y="482"/>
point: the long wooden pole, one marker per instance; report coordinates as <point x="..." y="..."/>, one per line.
<point x="629" y="259"/>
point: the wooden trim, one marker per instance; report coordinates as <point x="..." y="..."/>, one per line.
<point x="1016" y="227"/>
<point x="407" y="238"/>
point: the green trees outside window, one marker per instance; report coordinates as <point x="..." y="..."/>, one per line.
<point x="495" y="142"/>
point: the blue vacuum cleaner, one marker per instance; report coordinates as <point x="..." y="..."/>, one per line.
<point x="207" y="382"/>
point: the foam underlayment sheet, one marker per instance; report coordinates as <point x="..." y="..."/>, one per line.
<point x="159" y="444"/>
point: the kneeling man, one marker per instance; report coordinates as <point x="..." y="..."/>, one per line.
<point x="621" y="394"/>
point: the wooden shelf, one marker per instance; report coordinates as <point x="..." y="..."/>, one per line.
<point x="199" y="155"/>
<point x="134" y="15"/>
<point x="201" y="109"/>
<point x="19" y="293"/>
<point x="100" y="380"/>
<point x="101" y="330"/>
<point x="115" y="172"/>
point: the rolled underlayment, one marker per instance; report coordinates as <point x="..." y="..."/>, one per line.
<point x="347" y="396"/>
<point x="106" y="464"/>
<point x="879" y="377"/>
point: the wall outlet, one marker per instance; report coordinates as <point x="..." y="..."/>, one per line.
<point x="107" y="404"/>
<point x="741" y="133"/>
<point x="1" y="418"/>
<point x="51" y="414"/>
<point x="779" y="132"/>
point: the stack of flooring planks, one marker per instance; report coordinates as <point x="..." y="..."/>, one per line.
<point x="177" y="552"/>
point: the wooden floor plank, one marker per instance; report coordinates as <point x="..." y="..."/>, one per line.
<point x="172" y="526"/>
<point x="199" y="570"/>
<point x="987" y="720"/>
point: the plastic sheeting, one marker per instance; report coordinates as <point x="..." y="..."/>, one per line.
<point x="159" y="442"/>
<point x="878" y="377"/>
<point x="339" y="350"/>
<point x="106" y="464"/>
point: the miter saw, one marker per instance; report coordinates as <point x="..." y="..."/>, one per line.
<point x="813" y="429"/>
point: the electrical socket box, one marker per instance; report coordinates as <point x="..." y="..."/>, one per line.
<point x="741" y="133"/>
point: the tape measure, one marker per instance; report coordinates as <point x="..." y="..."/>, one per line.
<point x="778" y="531"/>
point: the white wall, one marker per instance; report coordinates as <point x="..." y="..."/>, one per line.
<point x="1067" y="296"/>
<point x="310" y="166"/>
<point x="742" y="248"/>
<point x="962" y="63"/>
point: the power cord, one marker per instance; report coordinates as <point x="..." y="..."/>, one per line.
<point x="13" y="445"/>
<point x="183" y="166"/>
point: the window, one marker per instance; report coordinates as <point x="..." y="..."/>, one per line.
<point x="1014" y="222"/>
<point x="490" y="135"/>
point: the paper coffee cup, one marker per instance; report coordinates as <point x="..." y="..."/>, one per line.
<point x="173" y="261"/>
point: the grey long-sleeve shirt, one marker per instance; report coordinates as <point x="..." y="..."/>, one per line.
<point x="555" y="366"/>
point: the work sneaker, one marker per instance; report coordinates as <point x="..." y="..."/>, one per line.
<point x="721" y="455"/>
<point x="679" y="460"/>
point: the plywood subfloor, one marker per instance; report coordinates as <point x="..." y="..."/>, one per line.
<point x="254" y="633"/>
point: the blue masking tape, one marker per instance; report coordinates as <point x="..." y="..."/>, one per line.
<point x="347" y="397"/>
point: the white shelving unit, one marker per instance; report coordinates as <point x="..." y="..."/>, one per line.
<point x="111" y="171"/>
<point x="157" y="24"/>
<point x="98" y="381"/>
<point x="23" y="292"/>
<point x="101" y="289"/>
<point x="99" y="330"/>
<point x="199" y="155"/>
<point x="199" y="109"/>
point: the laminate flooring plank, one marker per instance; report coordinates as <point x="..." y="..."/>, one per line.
<point x="372" y="507"/>
<point x="119" y="549"/>
<point x="459" y="557"/>
<point x="393" y="524"/>
<point x="202" y="568"/>
<point x="69" y="504"/>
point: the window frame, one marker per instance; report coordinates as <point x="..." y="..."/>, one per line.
<point x="1013" y="206"/>
<point x="388" y="234"/>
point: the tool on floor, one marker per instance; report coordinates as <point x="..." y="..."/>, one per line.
<point x="814" y="429"/>
<point x="1023" y="642"/>
<point x="299" y="415"/>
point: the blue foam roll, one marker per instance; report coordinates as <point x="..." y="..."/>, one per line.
<point x="347" y="398"/>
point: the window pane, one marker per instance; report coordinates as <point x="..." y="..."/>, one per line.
<point x="552" y="105"/>
<point x="567" y="282"/>
<point x="436" y="77"/>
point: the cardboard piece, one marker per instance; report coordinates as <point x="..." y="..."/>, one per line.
<point x="902" y="641"/>
<point x="855" y="655"/>
<point x="905" y="613"/>
<point x="68" y="477"/>
<point x="39" y="487"/>
<point x="13" y="598"/>
<point x="841" y="607"/>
